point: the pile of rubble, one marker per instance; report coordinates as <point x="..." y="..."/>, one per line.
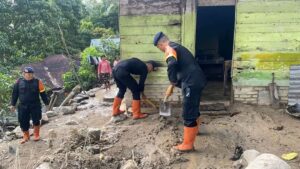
<point x="85" y="148"/>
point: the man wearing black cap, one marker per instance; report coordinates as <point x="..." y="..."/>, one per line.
<point x="122" y="75"/>
<point x="185" y="73"/>
<point x="27" y="90"/>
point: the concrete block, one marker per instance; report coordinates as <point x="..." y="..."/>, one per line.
<point x="264" y="98"/>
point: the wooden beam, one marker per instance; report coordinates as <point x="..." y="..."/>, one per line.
<point x="216" y="2"/>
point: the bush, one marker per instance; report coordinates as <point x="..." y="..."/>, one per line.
<point x="6" y="83"/>
<point x="87" y="73"/>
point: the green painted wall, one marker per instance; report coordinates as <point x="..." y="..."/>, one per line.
<point x="137" y="34"/>
<point x="267" y="39"/>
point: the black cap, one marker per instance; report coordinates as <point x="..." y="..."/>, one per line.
<point x="28" y="70"/>
<point x="157" y="37"/>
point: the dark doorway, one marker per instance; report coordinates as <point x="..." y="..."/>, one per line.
<point x="214" y="46"/>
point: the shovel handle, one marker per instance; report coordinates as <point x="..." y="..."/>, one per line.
<point x="150" y="102"/>
<point x="165" y="99"/>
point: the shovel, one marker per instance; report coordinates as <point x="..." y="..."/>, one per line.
<point x="165" y="108"/>
<point x="273" y="90"/>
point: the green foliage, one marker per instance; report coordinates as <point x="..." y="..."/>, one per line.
<point x="87" y="73"/>
<point x="102" y="20"/>
<point x="30" y="28"/>
<point x="6" y="82"/>
<point x="110" y="49"/>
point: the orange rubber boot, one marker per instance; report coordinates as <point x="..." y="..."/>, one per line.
<point x="189" y="136"/>
<point x="136" y="110"/>
<point x="26" y="137"/>
<point x="116" y="107"/>
<point x="36" y="133"/>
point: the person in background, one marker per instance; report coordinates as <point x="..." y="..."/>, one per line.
<point x="28" y="91"/>
<point x="117" y="60"/>
<point x="104" y="72"/>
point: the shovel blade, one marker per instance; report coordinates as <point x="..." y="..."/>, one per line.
<point x="165" y="109"/>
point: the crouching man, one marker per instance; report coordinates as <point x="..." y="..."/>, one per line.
<point x="122" y="75"/>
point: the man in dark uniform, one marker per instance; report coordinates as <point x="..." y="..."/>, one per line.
<point x="27" y="90"/>
<point x="185" y="73"/>
<point x="122" y="75"/>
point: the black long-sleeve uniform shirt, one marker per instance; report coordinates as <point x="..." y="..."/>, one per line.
<point x="182" y="67"/>
<point x="28" y="92"/>
<point x="136" y="67"/>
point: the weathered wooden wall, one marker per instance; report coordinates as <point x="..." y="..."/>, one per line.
<point x="140" y="20"/>
<point x="267" y="39"/>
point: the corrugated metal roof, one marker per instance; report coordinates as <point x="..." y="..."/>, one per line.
<point x="294" y="87"/>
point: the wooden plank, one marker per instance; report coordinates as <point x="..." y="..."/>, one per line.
<point x="144" y="7"/>
<point x="139" y="48"/>
<point x="146" y="57"/>
<point x="150" y="30"/>
<point x="145" y="39"/>
<point x="188" y="26"/>
<point x="267" y="57"/>
<point x="267" y="28"/>
<point x="266" y="47"/>
<point x="268" y="18"/>
<point x="262" y="65"/>
<point x="150" y="20"/>
<point x="268" y="37"/>
<point x="216" y="2"/>
<point x="268" y="6"/>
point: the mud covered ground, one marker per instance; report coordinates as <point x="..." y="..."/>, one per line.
<point x="149" y="141"/>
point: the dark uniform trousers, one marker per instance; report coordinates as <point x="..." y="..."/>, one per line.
<point x="191" y="103"/>
<point x="124" y="80"/>
<point x="27" y="111"/>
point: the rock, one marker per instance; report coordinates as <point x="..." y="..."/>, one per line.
<point x="10" y="128"/>
<point x="238" y="164"/>
<point x="278" y="128"/>
<point x="105" y="104"/>
<point x="268" y="161"/>
<point x="65" y="110"/>
<point x="51" y="114"/>
<point x="94" y="134"/>
<point x="130" y="164"/>
<point x="18" y="132"/>
<point x="92" y="94"/>
<point x="44" y="166"/>
<point x="101" y="156"/>
<point x="45" y="118"/>
<point x="95" y="149"/>
<point x="118" y="118"/>
<point x="108" y="159"/>
<point x="249" y="155"/>
<point x="75" y="104"/>
<point x="81" y="108"/>
<point x="72" y="122"/>
<point x="83" y="102"/>
<point x="8" y="133"/>
<point x="80" y="98"/>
